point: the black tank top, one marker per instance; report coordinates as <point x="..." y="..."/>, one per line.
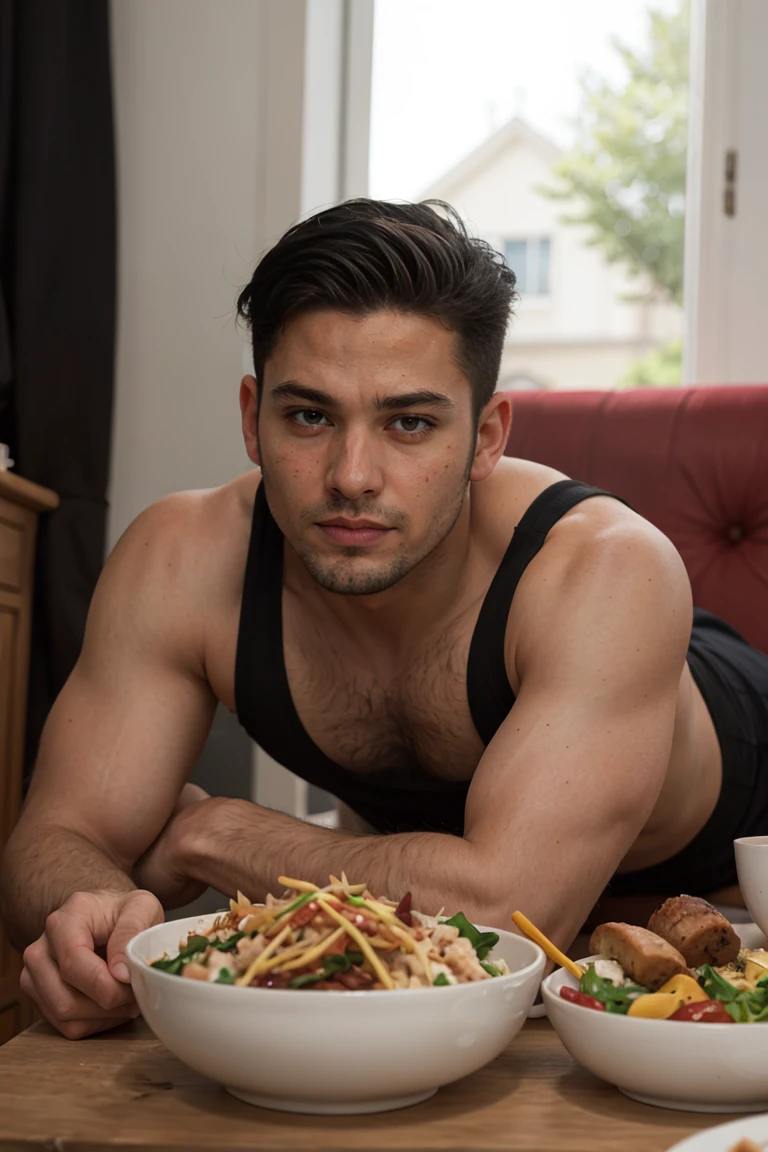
<point x="397" y="800"/>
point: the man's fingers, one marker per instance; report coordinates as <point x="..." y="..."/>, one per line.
<point x="60" y="1002"/>
<point x="72" y="934"/>
<point x="79" y="1029"/>
<point x="141" y="911"/>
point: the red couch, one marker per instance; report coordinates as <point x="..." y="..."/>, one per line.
<point x="693" y="461"/>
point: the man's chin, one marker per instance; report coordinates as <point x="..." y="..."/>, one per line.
<point x="350" y="577"/>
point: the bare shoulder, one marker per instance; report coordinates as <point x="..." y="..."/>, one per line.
<point x="180" y="559"/>
<point x="603" y="572"/>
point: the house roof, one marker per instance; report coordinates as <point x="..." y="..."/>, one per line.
<point x="512" y="134"/>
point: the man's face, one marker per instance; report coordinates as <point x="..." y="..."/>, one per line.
<point x="366" y="437"/>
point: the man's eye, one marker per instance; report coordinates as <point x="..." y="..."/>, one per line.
<point x="309" y="417"/>
<point x="412" y="424"/>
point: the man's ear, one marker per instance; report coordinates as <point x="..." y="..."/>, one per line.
<point x="249" y="410"/>
<point x="492" y="435"/>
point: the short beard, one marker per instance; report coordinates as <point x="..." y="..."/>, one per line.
<point x="351" y="583"/>
<point x="344" y="581"/>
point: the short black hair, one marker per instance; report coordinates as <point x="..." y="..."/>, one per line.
<point x="364" y="256"/>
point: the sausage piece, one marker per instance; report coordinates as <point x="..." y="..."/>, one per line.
<point x="644" y="956"/>
<point x="697" y="930"/>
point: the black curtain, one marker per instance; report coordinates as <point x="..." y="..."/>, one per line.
<point x="57" y="305"/>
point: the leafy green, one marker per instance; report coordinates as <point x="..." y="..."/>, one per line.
<point x="306" y="978"/>
<point x="224" y="977"/>
<point x="440" y="980"/>
<point x="616" y="1000"/>
<point x="170" y="964"/>
<point x="192" y="950"/>
<point x="482" y="942"/>
<point x="302" y="900"/>
<point x="338" y="962"/>
<point x="747" y="1006"/>
<point x="491" y="969"/>
<point x="715" y="985"/>
<point x="195" y="944"/>
<point x="227" y="945"/>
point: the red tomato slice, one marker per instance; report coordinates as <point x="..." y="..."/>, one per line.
<point x="704" y="1011"/>
<point x="576" y="997"/>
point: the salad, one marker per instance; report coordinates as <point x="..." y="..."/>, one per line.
<point x="336" y="938"/>
<point x="737" y="992"/>
<point x="686" y="965"/>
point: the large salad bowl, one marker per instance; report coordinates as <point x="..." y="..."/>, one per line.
<point x="328" y="1051"/>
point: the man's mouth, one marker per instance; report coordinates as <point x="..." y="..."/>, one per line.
<point x="355" y="533"/>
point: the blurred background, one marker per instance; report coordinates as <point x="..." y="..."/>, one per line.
<point x="151" y="150"/>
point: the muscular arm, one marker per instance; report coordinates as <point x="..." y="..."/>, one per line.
<point x="563" y="789"/>
<point x="124" y="732"/>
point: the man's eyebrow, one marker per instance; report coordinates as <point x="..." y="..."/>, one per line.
<point x="291" y="390"/>
<point x="413" y="400"/>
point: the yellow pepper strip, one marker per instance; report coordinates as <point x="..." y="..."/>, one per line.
<point x="685" y="988"/>
<point x="255" y="966"/>
<point x="287" y="954"/>
<point x="298" y="885"/>
<point x="360" y="940"/>
<point x="381" y="911"/>
<point x="524" y="924"/>
<point x="656" y="1005"/>
<point x="315" y="952"/>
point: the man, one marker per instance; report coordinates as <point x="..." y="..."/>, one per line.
<point x="484" y="661"/>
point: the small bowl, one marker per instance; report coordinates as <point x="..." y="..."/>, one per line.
<point x="752" y="867"/>
<point x="332" y="1052"/>
<point x="668" y="1063"/>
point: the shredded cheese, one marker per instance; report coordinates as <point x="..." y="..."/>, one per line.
<point x="297" y="885"/>
<point x="315" y="952"/>
<point x="361" y="941"/>
<point x="256" y="965"/>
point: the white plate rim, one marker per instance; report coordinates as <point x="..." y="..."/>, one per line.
<point x="721" y="1137"/>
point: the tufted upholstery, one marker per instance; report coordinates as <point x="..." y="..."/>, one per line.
<point x="693" y="461"/>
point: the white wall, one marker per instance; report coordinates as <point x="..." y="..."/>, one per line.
<point x="188" y="125"/>
<point x="727" y="253"/>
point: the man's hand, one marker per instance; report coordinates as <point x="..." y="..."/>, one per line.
<point x="160" y="869"/>
<point x="74" y="988"/>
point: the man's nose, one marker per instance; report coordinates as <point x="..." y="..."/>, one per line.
<point x="354" y="468"/>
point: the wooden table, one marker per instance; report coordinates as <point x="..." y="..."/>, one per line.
<point x="124" y="1089"/>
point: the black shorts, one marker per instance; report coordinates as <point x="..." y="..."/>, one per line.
<point x="733" y="679"/>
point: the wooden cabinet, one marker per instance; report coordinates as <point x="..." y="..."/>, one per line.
<point x="20" y="504"/>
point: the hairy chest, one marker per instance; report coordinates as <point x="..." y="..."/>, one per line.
<point x="368" y="716"/>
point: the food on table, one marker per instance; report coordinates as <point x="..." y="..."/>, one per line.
<point x="338" y="938"/>
<point x="554" y="953"/>
<point x="645" y="957"/>
<point x="699" y="932"/>
<point x="641" y="974"/>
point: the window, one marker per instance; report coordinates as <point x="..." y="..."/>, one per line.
<point x="565" y="138"/>
<point x="529" y="260"/>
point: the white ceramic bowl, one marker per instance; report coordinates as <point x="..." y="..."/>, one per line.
<point x="669" y="1063"/>
<point x="332" y="1052"/>
<point x="752" y="867"/>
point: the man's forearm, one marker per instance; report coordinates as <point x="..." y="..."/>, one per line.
<point x="233" y="844"/>
<point x="42" y="869"/>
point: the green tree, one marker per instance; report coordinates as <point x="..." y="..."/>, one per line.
<point x="625" y="173"/>
<point x="661" y="368"/>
